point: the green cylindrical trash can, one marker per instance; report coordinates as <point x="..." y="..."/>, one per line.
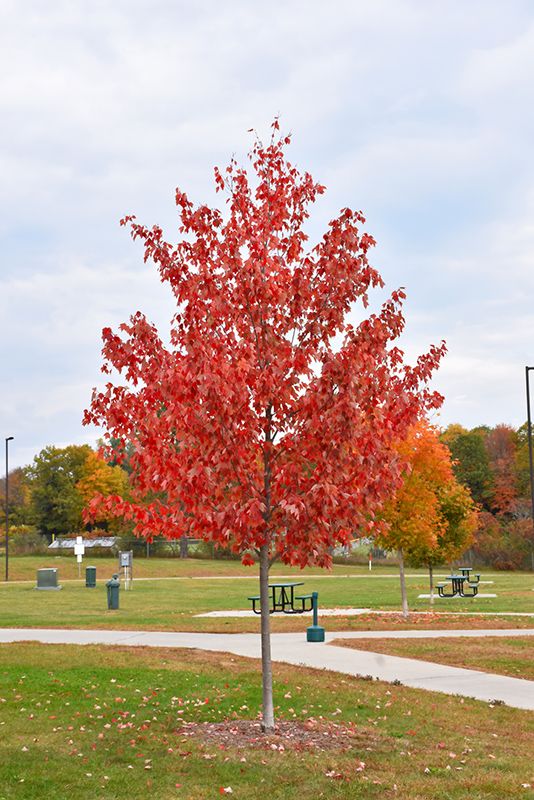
<point x="90" y="577"/>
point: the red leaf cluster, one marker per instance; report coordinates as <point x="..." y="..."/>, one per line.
<point x="270" y="418"/>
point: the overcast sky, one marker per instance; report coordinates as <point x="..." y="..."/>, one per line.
<point x="419" y="113"/>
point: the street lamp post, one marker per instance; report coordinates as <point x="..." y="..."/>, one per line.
<point x="529" y="434"/>
<point x="8" y="439"/>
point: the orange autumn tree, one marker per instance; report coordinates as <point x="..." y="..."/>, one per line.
<point x="432" y="517"/>
<point x="244" y="427"/>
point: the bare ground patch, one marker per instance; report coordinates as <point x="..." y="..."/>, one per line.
<point x="292" y="735"/>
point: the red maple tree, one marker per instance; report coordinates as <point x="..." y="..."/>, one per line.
<point x="267" y="424"/>
<point x="501" y="446"/>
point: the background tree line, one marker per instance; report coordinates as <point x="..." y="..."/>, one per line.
<point x="430" y="521"/>
<point x="494" y="464"/>
<point x="46" y="498"/>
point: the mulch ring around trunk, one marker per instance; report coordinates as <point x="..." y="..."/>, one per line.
<point x="294" y="735"/>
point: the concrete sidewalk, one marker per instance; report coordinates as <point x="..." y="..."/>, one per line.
<point x="292" y="648"/>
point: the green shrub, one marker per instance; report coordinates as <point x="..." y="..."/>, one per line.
<point x="25" y="540"/>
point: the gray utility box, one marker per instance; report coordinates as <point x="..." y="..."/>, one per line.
<point x="47" y="580"/>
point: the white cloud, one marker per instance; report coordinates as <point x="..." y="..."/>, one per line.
<point x="502" y="70"/>
<point x="419" y="113"/>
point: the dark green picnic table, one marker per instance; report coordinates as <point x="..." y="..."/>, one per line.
<point x="282" y="598"/>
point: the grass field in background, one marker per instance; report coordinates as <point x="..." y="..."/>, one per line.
<point x="25" y="567"/>
<point x="107" y="723"/>
<point x="171" y="603"/>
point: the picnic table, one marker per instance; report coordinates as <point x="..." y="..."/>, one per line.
<point x="282" y="598"/>
<point x="466" y="572"/>
<point x="458" y="582"/>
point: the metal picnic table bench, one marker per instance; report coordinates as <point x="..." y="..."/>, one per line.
<point x="458" y="582"/>
<point x="282" y="598"/>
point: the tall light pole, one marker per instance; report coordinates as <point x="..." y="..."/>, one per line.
<point x="529" y="434"/>
<point x="8" y="439"/>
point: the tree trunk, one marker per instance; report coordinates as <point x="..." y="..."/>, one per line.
<point x="431" y="581"/>
<point x="405" y="609"/>
<point x="184" y="546"/>
<point x="266" y="665"/>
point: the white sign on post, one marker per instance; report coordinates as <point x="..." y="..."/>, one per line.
<point x="79" y="551"/>
<point x="79" y="547"/>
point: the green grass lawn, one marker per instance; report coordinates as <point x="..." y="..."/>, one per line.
<point x="109" y="722"/>
<point x="116" y="723"/>
<point x="166" y="601"/>
<point x="25" y="567"/>
<point x="171" y="602"/>
<point x="513" y="656"/>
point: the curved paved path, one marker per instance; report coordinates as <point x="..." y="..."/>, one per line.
<point x="292" y="648"/>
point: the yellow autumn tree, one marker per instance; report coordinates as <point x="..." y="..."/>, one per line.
<point x="98" y="477"/>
